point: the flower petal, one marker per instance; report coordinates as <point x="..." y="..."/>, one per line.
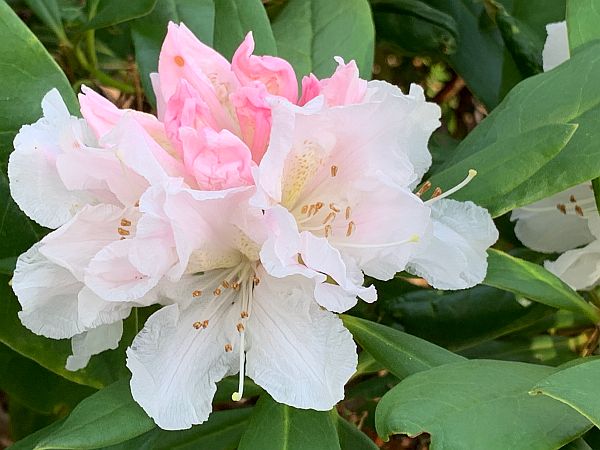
<point x="454" y="255"/>
<point x="92" y="342"/>
<point x="345" y="86"/>
<point x="300" y="354"/>
<point x="543" y="226"/>
<point x="579" y="268"/>
<point x="175" y="367"/>
<point x="556" y="47"/>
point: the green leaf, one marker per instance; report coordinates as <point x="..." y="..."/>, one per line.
<point x="481" y="405"/>
<point x="52" y="354"/>
<point x="30" y="441"/>
<point x="461" y="319"/>
<point x="108" y="417"/>
<point x="533" y="104"/>
<point x="23" y="60"/>
<point x="276" y="426"/>
<point x="36" y="387"/>
<point x="222" y="431"/>
<point x="149" y="32"/>
<point x="414" y="27"/>
<point x="351" y="438"/>
<point x="535" y="283"/>
<point x="401" y="353"/>
<point x="323" y="29"/>
<point x="583" y="17"/>
<point x="503" y="165"/>
<point x="234" y="19"/>
<point x="112" y="12"/>
<point x="7" y="265"/>
<point x="577" y="387"/>
<point x="49" y="13"/>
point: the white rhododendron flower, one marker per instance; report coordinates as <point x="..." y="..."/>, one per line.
<point x="568" y="221"/>
<point x="252" y="214"/>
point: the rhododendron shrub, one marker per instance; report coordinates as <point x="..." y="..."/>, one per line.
<point x="256" y="241"/>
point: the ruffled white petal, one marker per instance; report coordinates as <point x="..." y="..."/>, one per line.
<point x="93" y="342"/>
<point x="299" y="353"/>
<point x="579" y="268"/>
<point x="543" y="226"/>
<point x="34" y="181"/>
<point x="175" y="367"/>
<point x="454" y="255"/>
<point x="556" y="47"/>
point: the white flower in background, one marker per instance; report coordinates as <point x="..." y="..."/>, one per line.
<point x="568" y="221"/>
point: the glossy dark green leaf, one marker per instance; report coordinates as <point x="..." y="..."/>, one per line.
<point x="533" y="104"/>
<point x="235" y="18"/>
<point x="222" y="431"/>
<point x="276" y="426"/>
<point x="504" y="165"/>
<point x="323" y="29"/>
<point x="112" y="12"/>
<point x="399" y="352"/>
<point x="49" y="12"/>
<point x="577" y="387"/>
<point x="149" y="32"/>
<point x="583" y="17"/>
<point x="108" y="417"/>
<point x="462" y="319"/>
<point x="30" y="441"/>
<point x="479" y="404"/>
<point x="535" y="283"/>
<point x="35" y="387"/>
<point x="351" y="438"/>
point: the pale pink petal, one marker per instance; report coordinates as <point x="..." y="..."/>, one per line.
<point x="311" y="88"/>
<point x="345" y="87"/>
<point x="276" y="74"/>
<point x="93" y="342"/>
<point x="254" y="116"/>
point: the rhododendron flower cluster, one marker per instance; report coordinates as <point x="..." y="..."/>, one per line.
<point x="251" y="211"/>
<point x="568" y="219"/>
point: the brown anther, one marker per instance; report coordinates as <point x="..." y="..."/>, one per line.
<point x="179" y="61"/>
<point x="436" y="192"/>
<point x="334" y="208"/>
<point x="318" y="206"/>
<point x="311" y="210"/>
<point x="348" y="212"/>
<point x="217" y="291"/>
<point x="125" y="223"/>
<point x="137" y="204"/>
<point x="228" y="348"/>
<point x="329" y="217"/>
<point x="426" y="186"/>
<point x="196" y="293"/>
<point x="351" y="228"/>
<point x="562" y="208"/>
<point x="205" y="323"/>
<point x="240" y="327"/>
<point x="225" y="284"/>
<point x="244" y="314"/>
<point x="334" y="171"/>
<point x="572" y="199"/>
<point x="327" y="230"/>
<point x="197" y="325"/>
<point x="578" y="210"/>
<point x="123" y="231"/>
<point x="235" y="285"/>
<point x="304" y="209"/>
<point x="255" y="280"/>
<point x="122" y="238"/>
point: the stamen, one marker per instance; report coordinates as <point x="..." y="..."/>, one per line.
<point x="578" y="210"/>
<point x="334" y="208"/>
<point x="329" y="217"/>
<point x="426" y="186"/>
<point x="205" y="323"/>
<point x="436" y="192"/>
<point x="196" y="293"/>
<point x="125" y="223"/>
<point x="235" y="286"/>
<point x="562" y="208"/>
<point x="240" y="327"/>
<point x="244" y="314"/>
<point x="348" y="212"/>
<point x="327" y="230"/>
<point x="123" y="231"/>
<point x="334" y="171"/>
<point x="228" y="348"/>
<point x="217" y="291"/>
<point x="255" y="280"/>
<point x="225" y="284"/>
<point x="459" y="186"/>
<point x="304" y="209"/>
<point x="318" y="206"/>
<point x="137" y="204"/>
<point x="572" y="199"/>
<point x="179" y="61"/>
<point x="197" y="325"/>
<point x="351" y="228"/>
<point x="413" y="239"/>
<point x="311" y="210"/>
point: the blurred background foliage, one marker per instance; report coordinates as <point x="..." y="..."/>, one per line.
<point x="467" y="54"/>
